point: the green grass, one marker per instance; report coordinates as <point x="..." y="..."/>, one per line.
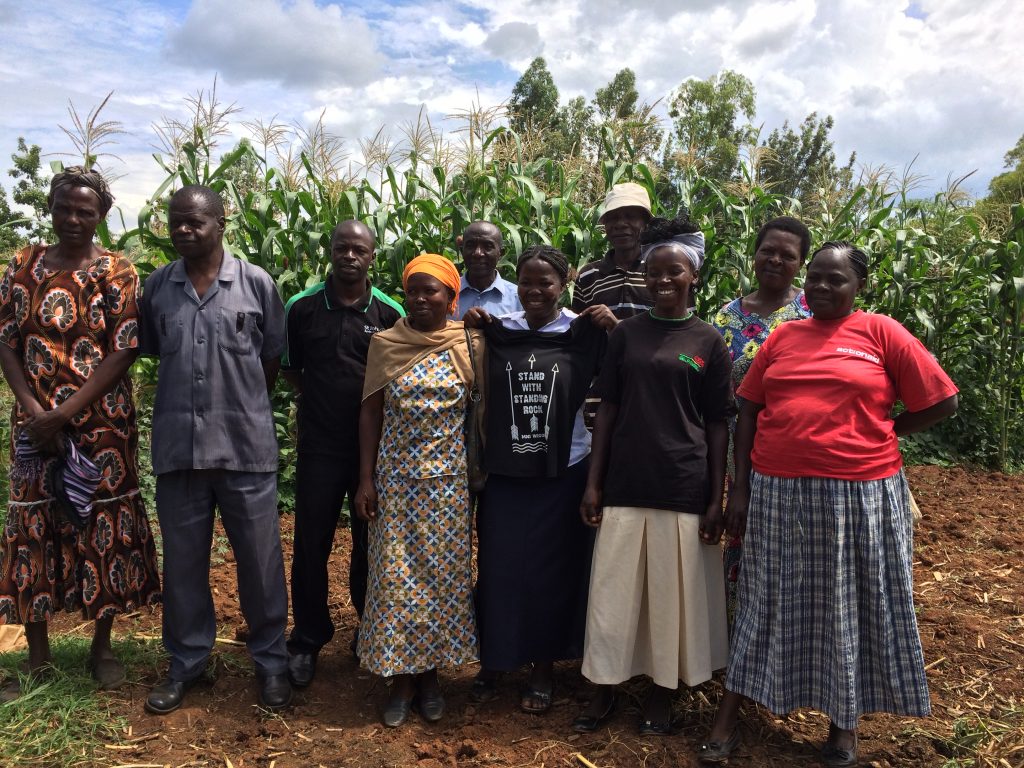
<point x="63" y="720"/>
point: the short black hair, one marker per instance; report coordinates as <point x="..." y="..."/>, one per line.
<point x="659" y="229"/>
<point x="857" y="258"/>
<point x="211" y="201"/>
<point x="786" y="224"/>
<point x="558" y="260"/>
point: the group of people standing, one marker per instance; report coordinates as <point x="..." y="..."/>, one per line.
<point x="604" y="432"/>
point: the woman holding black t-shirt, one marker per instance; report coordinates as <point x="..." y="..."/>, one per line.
<point x="654" y="491"/>
<point x="534" y="553"/>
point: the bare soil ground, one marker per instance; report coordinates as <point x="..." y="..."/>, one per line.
<point x="969" y="572"/>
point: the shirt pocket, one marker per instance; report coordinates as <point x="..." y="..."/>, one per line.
<point x="170" y="329"/>
<point x="237" y="332"/>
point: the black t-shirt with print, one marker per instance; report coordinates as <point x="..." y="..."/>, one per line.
<point x="669" y="378"/>
<point x="536" y="383"/>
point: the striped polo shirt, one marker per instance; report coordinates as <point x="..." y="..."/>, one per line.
<point x="623" y="291"/>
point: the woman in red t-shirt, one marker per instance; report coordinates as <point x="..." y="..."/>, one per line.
<point x="825" y="616"/>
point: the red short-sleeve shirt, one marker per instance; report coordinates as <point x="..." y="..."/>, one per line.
<point x="828" y="389"/>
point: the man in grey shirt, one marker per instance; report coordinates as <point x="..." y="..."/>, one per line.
<point x="217" y="325"/>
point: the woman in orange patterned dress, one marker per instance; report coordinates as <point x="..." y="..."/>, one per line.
<point x="68" y="334"/>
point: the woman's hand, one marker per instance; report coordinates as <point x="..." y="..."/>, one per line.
<point x="736" y="511"/>
<point x="366" y="500"/>
<point x="476" y="317"/>
<point x="590" y="507"/>
<point x="712" y="523"/>
<point x="43" y="427"/>
<point x="601" y="316"/>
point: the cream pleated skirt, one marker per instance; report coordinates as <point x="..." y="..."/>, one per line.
<point x="657" y="600"/>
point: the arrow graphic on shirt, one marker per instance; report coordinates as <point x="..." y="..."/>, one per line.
<point x="551" y="396"/>
<point x="511" y="401"/>
<point x="531" y="360"/>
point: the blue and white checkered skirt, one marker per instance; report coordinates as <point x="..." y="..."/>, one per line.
<point x="825" y="617"/>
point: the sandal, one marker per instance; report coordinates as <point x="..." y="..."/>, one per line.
<point x="656" y="728"/>
<point x="835" y="756"/>
<point x="535" y="701"/>
<point x="585" y="723"/>
<point x="484" y="689"/>
<point x="108" y="672"/>
<point x="717" y="752"/>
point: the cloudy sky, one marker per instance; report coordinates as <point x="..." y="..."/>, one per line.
<point x="936" y="82"/>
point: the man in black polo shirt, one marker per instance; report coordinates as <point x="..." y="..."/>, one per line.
<point x="329" y="328"/>
<point x="617" y="280"/>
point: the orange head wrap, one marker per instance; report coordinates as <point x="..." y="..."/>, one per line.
<point x="439" y="267"/>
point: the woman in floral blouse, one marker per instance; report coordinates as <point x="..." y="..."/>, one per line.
<point x="68" y="334"/>
<point x="779" y="253"/>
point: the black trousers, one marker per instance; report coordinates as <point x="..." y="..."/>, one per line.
<point x="321" y="484"/>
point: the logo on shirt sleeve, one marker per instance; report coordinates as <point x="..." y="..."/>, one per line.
<point x="697" y="363"/>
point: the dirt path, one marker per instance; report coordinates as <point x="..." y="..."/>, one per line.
<point x="969" y="574"/>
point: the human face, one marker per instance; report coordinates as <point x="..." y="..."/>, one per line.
<point x="195" y="232"/>
<point x="831" y="285"/>
<point x="481" y="250"/>
<point x="777" y="260"/>
<point x="670" y="276"/>
<point x="623" y="226"/>
<point x="351" y="252"/>
<point x="75" y="215"/>
<point x="426" y="299"/>
<point x="540" y="287"/>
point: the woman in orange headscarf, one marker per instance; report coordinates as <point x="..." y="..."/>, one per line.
<point x="413" y="492"/>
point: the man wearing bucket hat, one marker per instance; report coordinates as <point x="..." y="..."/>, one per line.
<point x="617" y="280"/>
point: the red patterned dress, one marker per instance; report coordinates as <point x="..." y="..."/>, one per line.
<point x="63" y="323"/>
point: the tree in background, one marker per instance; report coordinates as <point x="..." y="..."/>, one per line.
<point x="800" y="164"/>
<point x="1004" y="191"/>
<point x="533" y="107"/>
<point x="30" y="190"/>
<point x="10" y="226"/>
<point x="711" y="123"/>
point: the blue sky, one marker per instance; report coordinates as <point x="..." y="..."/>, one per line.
<point x="933" y="82"/>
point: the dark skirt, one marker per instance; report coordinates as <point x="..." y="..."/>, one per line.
<point x="534" y="569"/>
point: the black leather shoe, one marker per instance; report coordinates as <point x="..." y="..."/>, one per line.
<point x="275" y="692"/>
<point x="396" y="712"/>
<point x="167" y="695"/>
<point x="301" y="668"/>
<point x="431" y="705"/>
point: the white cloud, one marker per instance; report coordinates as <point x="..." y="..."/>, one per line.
<point x="298" y="44"/>
<point x="514" y="40"/>
<point x="945" y="87"/>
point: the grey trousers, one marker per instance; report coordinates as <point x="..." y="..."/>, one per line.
<point x="185" y="502"/>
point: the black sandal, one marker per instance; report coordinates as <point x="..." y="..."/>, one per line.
<point x="717" y="752"/>
<point x="585" y="723"/>
<point x="484" y="689"/>
<point x="540" y="697"/>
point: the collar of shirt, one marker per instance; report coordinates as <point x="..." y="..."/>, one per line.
<point x="501" y="285"/>
<point x="226" y="274"/>
<point x="607" y="265"/>
<point x="360" y="306"/>
<point x="516" y="321"/>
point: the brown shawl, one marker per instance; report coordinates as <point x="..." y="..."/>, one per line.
<point x="397" y="349"/>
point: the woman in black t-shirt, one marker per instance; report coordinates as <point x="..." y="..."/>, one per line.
<point x="654" y="491"/>
<point x="534" y="552"/>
